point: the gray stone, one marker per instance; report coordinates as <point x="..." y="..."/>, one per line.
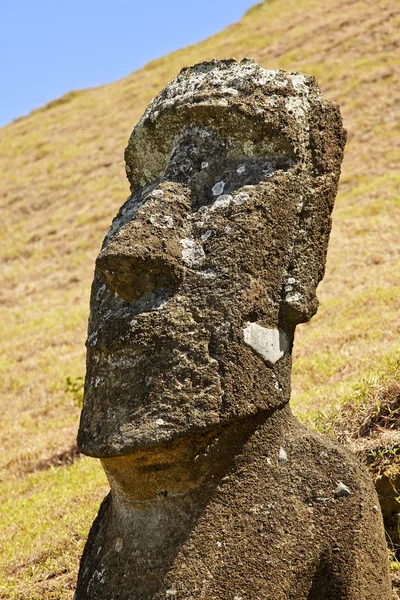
<point x="271" y="344"/>
<point x="206" y="271"/>
<point x="282" y="456"/>
<point x="341" y="491"/>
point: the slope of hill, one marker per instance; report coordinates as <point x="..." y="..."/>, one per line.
<point x="62" y="179"/>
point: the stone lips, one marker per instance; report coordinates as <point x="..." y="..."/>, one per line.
<point x="249" y="511"/>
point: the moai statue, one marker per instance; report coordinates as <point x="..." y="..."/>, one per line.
<point x="217" y="491"/>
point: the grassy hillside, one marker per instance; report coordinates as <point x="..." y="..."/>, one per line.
<point x="61" y="181"/>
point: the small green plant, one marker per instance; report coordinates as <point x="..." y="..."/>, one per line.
<point x="75" y="389"/>
<point x="394" y="562"/>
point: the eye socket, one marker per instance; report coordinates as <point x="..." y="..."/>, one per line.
<point x="250" y="171"/>
<point x="233" y="175"/>
<point x="211" y="163"/>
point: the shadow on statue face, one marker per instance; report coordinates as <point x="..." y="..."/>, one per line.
<point x="186" y="330"/>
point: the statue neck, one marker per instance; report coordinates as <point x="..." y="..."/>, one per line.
<point x="190" y="464"/>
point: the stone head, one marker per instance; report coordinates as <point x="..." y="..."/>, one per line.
<point x="214" y="258"/>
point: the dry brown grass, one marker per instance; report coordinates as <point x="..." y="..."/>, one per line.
<point x="368" y="417"/>
<point x="368" y="421"/>
<point x="62" y="179"/>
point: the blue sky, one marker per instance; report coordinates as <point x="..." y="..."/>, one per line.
<point x="48" y="48"/>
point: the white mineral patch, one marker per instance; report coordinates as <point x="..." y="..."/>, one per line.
<point x="118" y="362"/>
<point x="241" y="169"/>
<point x="157" y="193"/>
<point x="300" y="205"/>
<point x="271" y="344"/>
<point x="206" y="235"/>
<point x="92" y="339"/>
<point x="100" y="292"/>
<point x="99" y="575"/>
<point x="282" y="456"/>
<point x="342" y="490"/>
<point x="208" y="274"/>
<point x="293" y="298"/>
<point x="299" y="82"/>
<point x="192" y="252"/>
<point x="222" y="201"/>
<point x="204" y="165"/>
<point x="162" y="221"/>
<point x="159" y="421"/>
<point x="118" y="545"/>
<point x="218" y="188"/>
<point x="161" y="305"/>
<point x="240" y="198"/>
<point x="297" y="106"/>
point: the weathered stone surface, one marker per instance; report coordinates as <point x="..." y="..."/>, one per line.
<point x="216" y="490"/>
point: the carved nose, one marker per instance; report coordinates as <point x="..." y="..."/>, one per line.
<point x="145" y="255"/>
<point x="138" y="271"/>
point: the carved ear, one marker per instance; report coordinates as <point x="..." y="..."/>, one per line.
<point x="306" y="265"/>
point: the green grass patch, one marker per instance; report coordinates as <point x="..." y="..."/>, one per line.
<point x="44" y="521"/>
<point x="360" y="401"/>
